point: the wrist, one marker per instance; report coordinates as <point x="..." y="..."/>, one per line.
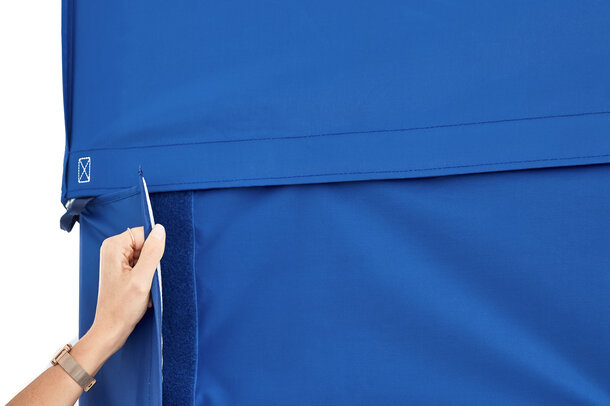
<point x="106" y="341"/>
<point x="91" y="351"/>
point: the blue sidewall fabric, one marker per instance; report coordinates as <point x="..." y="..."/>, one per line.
<point x="132" y="376"/>
<point x="467" y="290"/>
<point x="470" y="289"/>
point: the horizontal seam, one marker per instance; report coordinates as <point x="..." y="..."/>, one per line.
<point x="369" y="172"/>
<point x="97" y="203"/>
<point x="431" y="127"/>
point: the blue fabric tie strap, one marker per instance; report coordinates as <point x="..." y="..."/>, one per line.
<point x="74" y="209"/>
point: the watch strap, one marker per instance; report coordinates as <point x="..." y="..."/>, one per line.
<point x="73" y="368"/>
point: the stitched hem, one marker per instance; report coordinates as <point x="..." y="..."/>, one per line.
<point x="397" y="130"/>
<point x="460" y="149"/>
<point x="381" y="172"/>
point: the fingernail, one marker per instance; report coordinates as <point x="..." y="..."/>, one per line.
<point x="158" y="232"/>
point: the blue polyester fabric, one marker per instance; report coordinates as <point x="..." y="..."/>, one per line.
<point x="470" y="290"/>
<point x="391" y="202"/>
<point x="225" y="94"/>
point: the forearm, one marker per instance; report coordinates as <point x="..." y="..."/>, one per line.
<point x="55" y="387"/>
<point x="124" y="294"/>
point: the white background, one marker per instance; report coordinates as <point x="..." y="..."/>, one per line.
<point x="38" y="261"/>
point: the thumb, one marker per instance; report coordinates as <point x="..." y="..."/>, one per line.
<point x="151" y="253"/>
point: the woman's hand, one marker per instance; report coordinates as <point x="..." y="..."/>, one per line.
<point x="126" y="271"/>
<point x="127" y="268"/>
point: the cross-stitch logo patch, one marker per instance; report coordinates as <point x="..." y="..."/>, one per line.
<point x="84" y="169"/>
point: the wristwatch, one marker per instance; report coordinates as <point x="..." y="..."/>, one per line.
<point x="76" y="372"/>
